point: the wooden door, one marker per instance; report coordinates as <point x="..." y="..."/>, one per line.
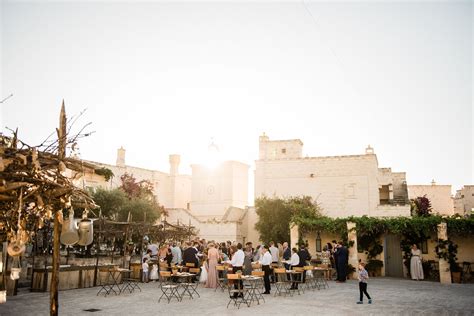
<point x="393" y="257"/>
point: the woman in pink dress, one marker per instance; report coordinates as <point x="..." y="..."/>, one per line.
<point x="212" y="257"/>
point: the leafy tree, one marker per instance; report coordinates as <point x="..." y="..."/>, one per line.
<point x="110" y="201"/>
<point x="421" y="206"/>
<point x="275" y="215"/>
<point x="134" y="189"/>
<point x="132" y="197"/>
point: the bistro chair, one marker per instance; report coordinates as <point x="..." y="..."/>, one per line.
<point x="261" y="284"/>
<point x="130" y="282"/>
<point x="193" y="285"/>
<point x="297" y="278"/>
<point x="105" y="282"/>
<point x="221" y="277"/>
<point x="282" y="284"/>
<point x="310" y="280"/>
<point x="236" y="295"/>
<point x="168" y="288"/>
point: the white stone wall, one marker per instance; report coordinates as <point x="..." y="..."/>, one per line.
<point x="279" y="149"/>
<point x="464" y="200"/>
<point x="343" y="185"/>
<point x="214" y="190"/>
<point x="439" y="195"/>
<point x="170" y="191"/>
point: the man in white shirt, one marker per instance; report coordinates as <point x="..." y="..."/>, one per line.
<point x="237" y="263"/>
<point x="275" y="252"/>
<point x="265" y="261"/>
<point x="177" y="255"/>
<point x="294" y="262"/>
<point x="154" y="249"/>
<point x="275" y="255"/>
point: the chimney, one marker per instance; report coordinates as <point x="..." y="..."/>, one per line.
<point x="120" y="157"/>
<point x="262" y="146"/>
<point x="174" y="164"/>
<point x="369" y="150"/>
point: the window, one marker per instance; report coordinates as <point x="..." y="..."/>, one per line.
<point x="384" y="194"/>
<point x="283" y="151"/>
<point x="424" y="247"/>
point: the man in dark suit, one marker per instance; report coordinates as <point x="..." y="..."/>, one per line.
<point x="190" y="255"/>
<point x="342" y="260"/>
<point x="304" y="257"/>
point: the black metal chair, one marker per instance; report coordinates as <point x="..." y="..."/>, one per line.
<point x="168" y="288"/>
<point x="236" y="294"/>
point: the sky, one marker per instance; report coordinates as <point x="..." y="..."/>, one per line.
<point x="162" y="78"/>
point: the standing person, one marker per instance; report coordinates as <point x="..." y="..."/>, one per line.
<point x="274" y="252"/>
<point x="257" y="253"/>
<point x="237" y="263"/>
<point x="204" y="270"/>
<point x="363" y="277"/>
<point x="304" y="258"/>
<point x="280" y="251"/>
<point x="248" y="258"/>
<point x="177" y="255"/>
<point x="342" y="260"/>
<point x="212" y="259"/>
<point x="325" y="260"/>
<point x="275" y="256"/>
<point x="154" y="250"/>
<point x="190" y="255"/>
<point x="286" y="254"/>
<point x="294" y="262"/>
<point x="145" y="270"/>
<point x="265" y="261"/>
<point x="335" y="248"/>
<point x="416" y="267"/>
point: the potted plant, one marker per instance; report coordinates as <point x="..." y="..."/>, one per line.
<point x="448" y="250"/>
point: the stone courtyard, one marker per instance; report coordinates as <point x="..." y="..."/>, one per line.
<point x="390" y="297"/>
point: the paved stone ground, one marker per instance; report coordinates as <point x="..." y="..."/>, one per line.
<point x="390" y="297"/>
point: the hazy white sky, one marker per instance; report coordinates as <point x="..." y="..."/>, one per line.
<point x="165" y="77"/>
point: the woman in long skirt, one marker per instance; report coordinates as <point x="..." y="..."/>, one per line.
<point x="416" y="268"/>
<point x="212" y="258"/>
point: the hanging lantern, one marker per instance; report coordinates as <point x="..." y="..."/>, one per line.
<point x="15" y="269"/>
<point x="69" y="235"/>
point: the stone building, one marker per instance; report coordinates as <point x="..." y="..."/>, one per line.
<point x="464" y="200"/>
<point x="440" y="197"/>
<point x="214" y="200"/>
<point x="342" y="185"/>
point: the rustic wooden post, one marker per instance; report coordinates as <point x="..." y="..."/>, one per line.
<point x="54" y="304"/>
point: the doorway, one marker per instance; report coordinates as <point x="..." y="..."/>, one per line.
<point x="393" y="257"/>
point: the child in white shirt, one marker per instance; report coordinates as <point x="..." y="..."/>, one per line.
<point x="145" y="270"/>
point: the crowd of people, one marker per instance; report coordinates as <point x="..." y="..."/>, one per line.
<point x="207" y="255"/>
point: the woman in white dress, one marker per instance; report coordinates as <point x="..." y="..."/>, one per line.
<point x="154" y="273"/>
<point x="416" y="267"/>
<point x="204" y="270"/>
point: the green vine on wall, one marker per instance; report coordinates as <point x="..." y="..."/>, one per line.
<point x="105" y="172"/>
<point x="448" y="250"/>
<point x="415" y="226"/>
